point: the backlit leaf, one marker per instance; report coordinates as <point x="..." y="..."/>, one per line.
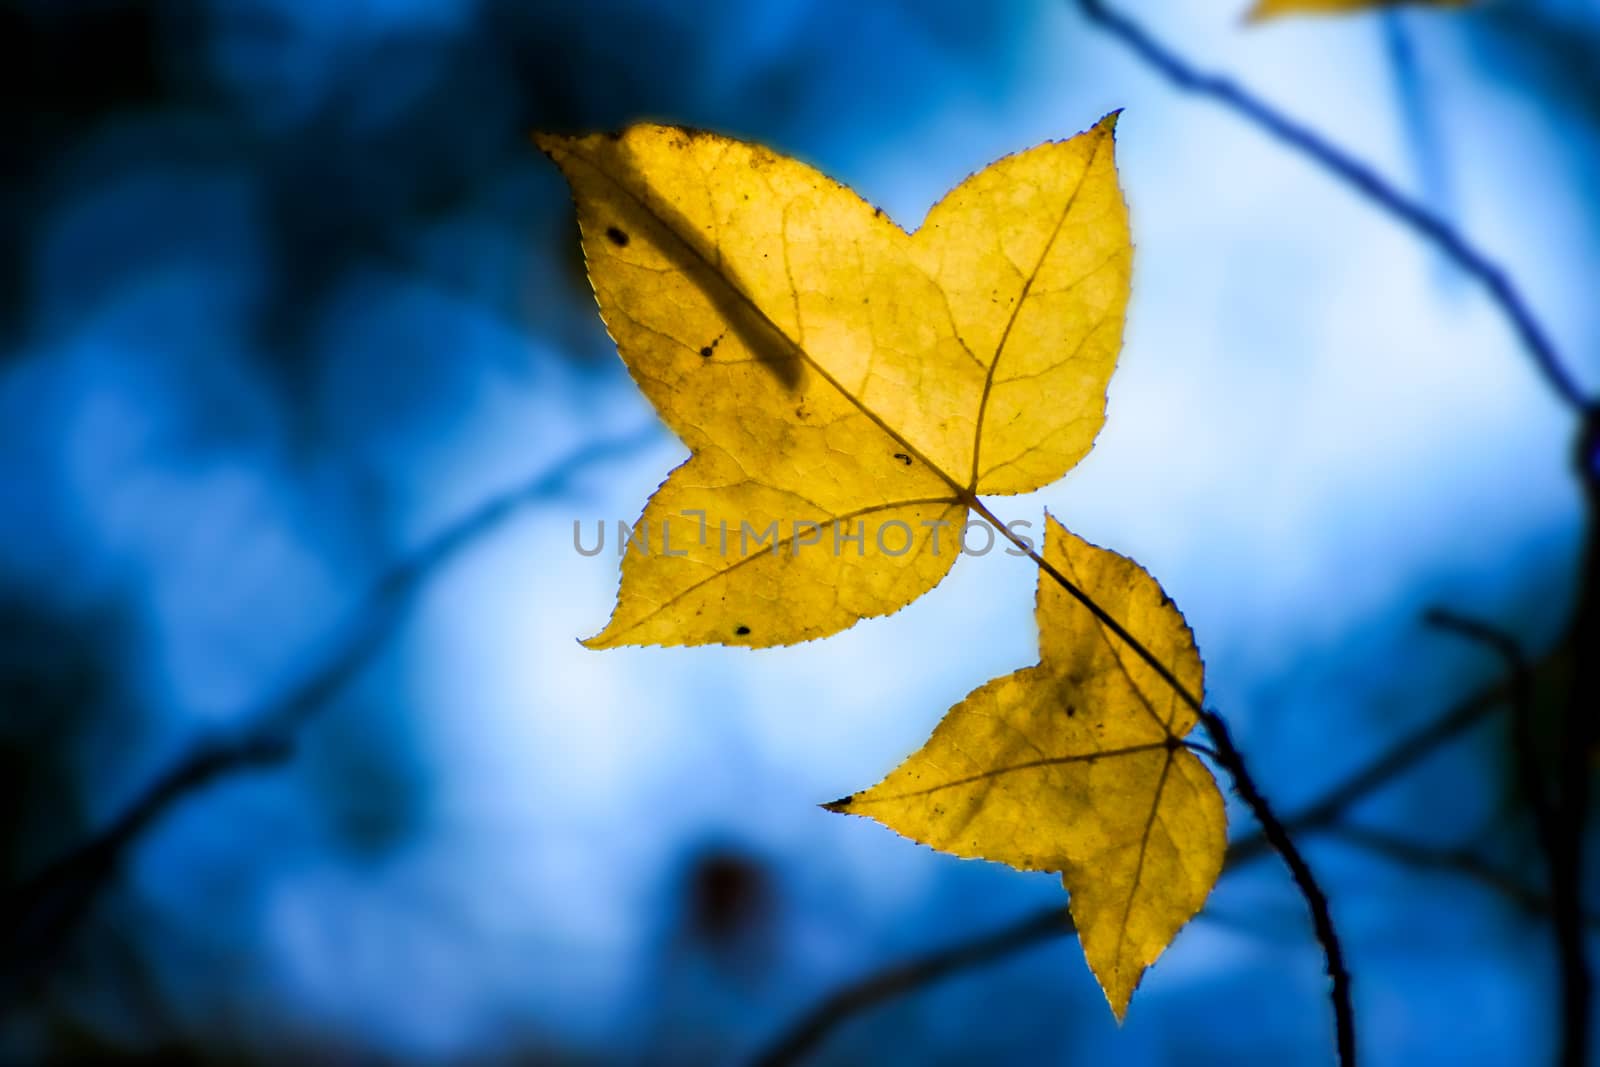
<point x="1077" y="765"/>
<point x="834" y="375"/>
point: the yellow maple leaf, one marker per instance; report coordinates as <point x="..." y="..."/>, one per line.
<point x="1077" y="765"/>
<point x="835" y="377"/>
<point x="1267" y="9"/>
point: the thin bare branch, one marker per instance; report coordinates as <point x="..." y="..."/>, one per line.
<point x="1394" y="761"/>
<point x="1278" y="836"/>
<point x="1567" y="925"/>
<point x="891" y="982"/>
<point x="1520" y="680"/>
<point x="40" y="914"/>
<point x="1580" y="737"/>
<point x="1362" y="178"/>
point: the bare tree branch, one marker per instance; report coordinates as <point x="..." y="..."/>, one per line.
<point x="1580" y="736"/>
<point x="1457" y="861"/>
<point x="1567" y="927"/>
<point x="914" y="974"/>
<point x="1395" y="760"/>
<point x="1361" y="177"/>
<point x="40" y="914"/>
<point x="1277" y="835"/>
<point x="1520" y="678"/>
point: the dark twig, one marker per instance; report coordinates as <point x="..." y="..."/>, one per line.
<point x="1580" y="735"/>
<point x="1520" y="678"/>
<point x="1421" y="130"/>
<point x="40" y="914"/>
<point x="1321" y="917"/>
<point x="1566" y="897"/>
<point x="1394" y="761"/>
<point x="1458" y="861"/>
<point x="910" y="975"/>
<point x="1359" y="176"/>
<point x="925" y="970"/>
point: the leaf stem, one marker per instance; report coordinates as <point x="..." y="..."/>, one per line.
<point x="1316" y="901"/>
<point x="1229" y="756"/>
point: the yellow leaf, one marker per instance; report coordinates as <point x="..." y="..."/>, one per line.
<point x="1266" y="9"/>
<point x="1077" y="765"/>
<point x="835" y="375"/>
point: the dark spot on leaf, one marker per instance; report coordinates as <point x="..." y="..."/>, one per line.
<point x="903" y="458"/>
<point x="618" y="238"/>
<point x="877" y="212"/>
<point x="1071" y="710"/>
<point x="705" y="351"/>
<point x="842" y="804"/>
<point x="742" y="630"/>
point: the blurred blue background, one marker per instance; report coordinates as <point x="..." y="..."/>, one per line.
<point x="284" y="288"/>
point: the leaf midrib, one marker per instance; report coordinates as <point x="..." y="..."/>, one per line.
<point x="1016" y="310"/>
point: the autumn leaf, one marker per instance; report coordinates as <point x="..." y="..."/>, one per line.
<point x="1077" y="765"/>
<point x="846" y="389"/>
<point x="1266" y="9"/>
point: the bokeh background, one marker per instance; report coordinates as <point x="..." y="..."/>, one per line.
<point x="284" y="289"/>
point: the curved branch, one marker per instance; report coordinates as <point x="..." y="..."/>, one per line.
<point x="891" y="982"/>
<point x="1363" y="179"/>
<point x="1520" y="677"/>
<point x="1316" y="900"/>
<point x="40" y="914"/>
<point x="1568" y="926"/>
